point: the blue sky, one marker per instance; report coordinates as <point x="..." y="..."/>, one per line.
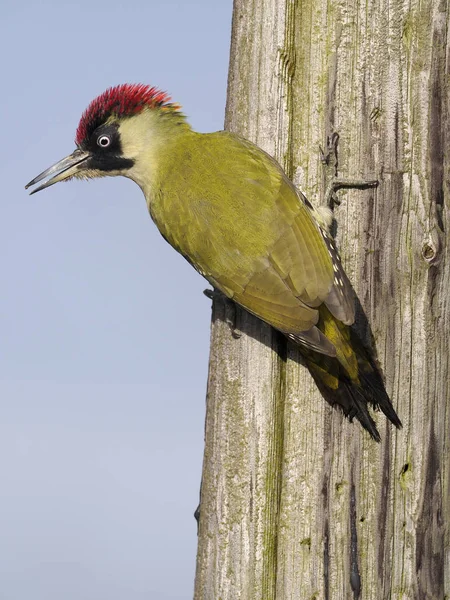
<point x="104" y="328"/>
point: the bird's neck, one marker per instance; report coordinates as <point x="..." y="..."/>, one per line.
<point x="150" y="139"/>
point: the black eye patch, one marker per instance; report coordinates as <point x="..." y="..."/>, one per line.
<point x="109" y="162"/>
<point x="106" y="156"/>
<point x="96" y="143"/>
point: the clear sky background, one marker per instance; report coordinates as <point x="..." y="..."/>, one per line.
<point x="104" y="328"/>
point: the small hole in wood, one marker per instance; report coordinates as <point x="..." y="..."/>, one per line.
<point x="406" y="467"/>
<point x="428" y="252"/>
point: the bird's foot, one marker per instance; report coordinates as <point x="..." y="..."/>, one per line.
<point x="333" y="182"/>
<point x="211" y="294"/>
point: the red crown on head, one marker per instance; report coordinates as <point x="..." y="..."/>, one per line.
<point x="122" y="100"/>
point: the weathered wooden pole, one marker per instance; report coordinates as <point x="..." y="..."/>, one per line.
<point x="297" y="503"/>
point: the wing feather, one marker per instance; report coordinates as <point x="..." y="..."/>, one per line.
<point x="247" y="230"/>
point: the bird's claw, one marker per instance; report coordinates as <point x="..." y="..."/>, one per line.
<point x="209" y="293"/>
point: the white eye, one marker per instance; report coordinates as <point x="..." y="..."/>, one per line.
<point x="103" y="141"/>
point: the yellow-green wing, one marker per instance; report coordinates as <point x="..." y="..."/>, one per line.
<point x="239" y="220"/>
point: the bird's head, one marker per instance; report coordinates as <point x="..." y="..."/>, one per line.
<point x="117" y="130"/>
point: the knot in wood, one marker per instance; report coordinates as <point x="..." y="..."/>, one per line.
<point x="430" y="252"/>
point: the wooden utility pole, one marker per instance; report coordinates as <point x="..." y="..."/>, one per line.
<point x="297" y="503"/>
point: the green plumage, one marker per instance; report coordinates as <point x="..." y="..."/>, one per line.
<point x="230" y="210"/>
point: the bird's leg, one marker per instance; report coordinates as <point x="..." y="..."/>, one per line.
<point x="230" y="311"/>
<point x="332" y="181"/>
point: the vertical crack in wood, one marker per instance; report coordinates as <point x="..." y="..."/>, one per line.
<point x="288" y="65"/>
<point x="384" y="576"/>
<point x="355" y="578"/>
<point x="327" y="463"/>
<point x="326" y="543"/>
<point x="436" y="137"/>
<point x="430" y="556"/>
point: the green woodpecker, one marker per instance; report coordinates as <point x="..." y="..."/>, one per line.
<point x="230" y="210"/>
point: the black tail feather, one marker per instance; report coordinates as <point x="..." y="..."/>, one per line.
<point x="373" y="385"/>
<point x="352" y="397"/>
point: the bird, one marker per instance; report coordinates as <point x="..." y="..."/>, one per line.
<point x="231" y="211"/>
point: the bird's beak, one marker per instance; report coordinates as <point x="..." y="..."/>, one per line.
<point x="64" y="169"/>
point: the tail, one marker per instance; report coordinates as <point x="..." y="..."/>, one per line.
<point x="352" y="380"/>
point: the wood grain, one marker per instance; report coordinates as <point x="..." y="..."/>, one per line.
<point x="297" y="503"/>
